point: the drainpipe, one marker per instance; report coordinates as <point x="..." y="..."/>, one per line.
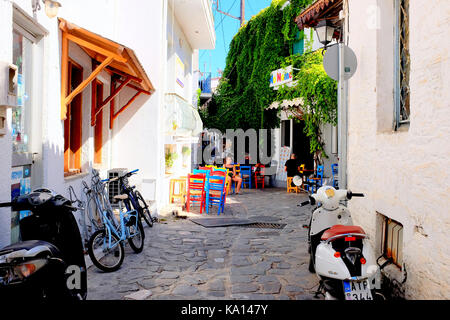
<point x="342" y="113"/>
<point x="342" y="122"/>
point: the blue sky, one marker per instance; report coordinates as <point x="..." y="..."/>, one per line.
<point x="226" y="27"/>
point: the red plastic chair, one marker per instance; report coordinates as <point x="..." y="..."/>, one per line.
<point x="196" y="190"/>
<point x="259" y="175"/>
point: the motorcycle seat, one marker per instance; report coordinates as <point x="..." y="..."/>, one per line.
<point x="29" y="245"/>
<point x="340" y="229"/>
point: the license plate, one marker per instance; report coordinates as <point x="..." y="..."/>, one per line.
<point x="357" y="290"/>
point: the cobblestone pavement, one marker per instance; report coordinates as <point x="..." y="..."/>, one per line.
<point x="183" y="260"/>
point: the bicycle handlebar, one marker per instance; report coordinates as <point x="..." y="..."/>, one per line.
<point x="5" y="204"/>
<point x="117" y="178"/>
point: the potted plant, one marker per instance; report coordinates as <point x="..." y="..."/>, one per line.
<point x="170" y="157"/>
<point x="186" y="151"/>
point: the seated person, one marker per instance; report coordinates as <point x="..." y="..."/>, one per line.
<point x="291" y="167"/>
<point x="232" y="175"/>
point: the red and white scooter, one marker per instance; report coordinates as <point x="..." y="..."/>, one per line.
<point x="340" y="253"/>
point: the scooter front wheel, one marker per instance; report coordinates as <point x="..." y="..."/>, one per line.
<point x="311" y="267"/>
<point x="104" y="258"/>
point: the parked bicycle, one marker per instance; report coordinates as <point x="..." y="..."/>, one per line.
<point x="105" y="246"/>
<point x="96" y="203"/>
<point x="90" y="216"/>
<point x="134" y="198"/>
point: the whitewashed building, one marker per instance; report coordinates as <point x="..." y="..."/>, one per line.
<point x="398" y="129"/>
<point x="136" y="57"/>
<point x="398" y="124"/>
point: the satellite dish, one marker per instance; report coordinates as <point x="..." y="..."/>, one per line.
<point x="297" y="180"/>
<point x="331" y="62"/>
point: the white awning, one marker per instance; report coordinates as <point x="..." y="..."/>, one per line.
<point x="181" y="118"/>
<point x="297" y="102"/>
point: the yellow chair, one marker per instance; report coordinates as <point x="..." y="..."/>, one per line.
<point x="289" y="186"/>
<point x="301" y="168"/>
<point x="181" y="182"/>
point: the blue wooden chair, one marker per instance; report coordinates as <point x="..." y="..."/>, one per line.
<point x="316" y="182"/>
<point x="335" y="171"/>
<point x="216" y="193"/>
<point x="246" y="175"/>
<point x="207" y="173"/>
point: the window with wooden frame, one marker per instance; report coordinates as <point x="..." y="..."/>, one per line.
<point x="392" y="240"/>
<point x="73" y="122"/>
<point x="97" y="114"/>
<point x="402" y="64"/>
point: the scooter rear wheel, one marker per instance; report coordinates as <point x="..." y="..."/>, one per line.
<point x="105" y="259"/>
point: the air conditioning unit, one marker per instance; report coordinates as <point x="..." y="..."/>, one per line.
<point x="113" y="187"/>
<point x="8" y="91"/>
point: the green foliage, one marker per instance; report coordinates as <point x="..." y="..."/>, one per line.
<point x="186" y="150"/>
<point x="199" y="92"/>
<point x="319" y="94"/>
<point x="170" y="157"/>
<point x="256" y="50"/>
<point x="265" y="44"/>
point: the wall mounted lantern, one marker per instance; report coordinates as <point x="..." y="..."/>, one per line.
<point x="325" y="32"/>
<point x="51" y="7"/>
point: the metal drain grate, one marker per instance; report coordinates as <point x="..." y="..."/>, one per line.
<point x="264" y="225"/>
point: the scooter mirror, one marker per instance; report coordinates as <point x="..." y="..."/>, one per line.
<point x="297" y="180"/>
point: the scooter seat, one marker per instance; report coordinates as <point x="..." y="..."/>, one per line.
<point x="28" y="246"/>
<point x="340" y="229"/>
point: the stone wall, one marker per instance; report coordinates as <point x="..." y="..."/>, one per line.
<point x="405" y="173"/>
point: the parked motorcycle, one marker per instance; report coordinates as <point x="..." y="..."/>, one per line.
<point x="48" y="263"/>
<point x="340" y="252"/>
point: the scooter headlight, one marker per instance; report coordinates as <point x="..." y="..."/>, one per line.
<point x="26" y="269"/>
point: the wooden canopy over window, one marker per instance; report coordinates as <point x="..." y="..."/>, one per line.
<point x="118" y="60"/>
<point x="320" y="10"/>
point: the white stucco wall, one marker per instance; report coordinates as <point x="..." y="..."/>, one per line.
<point x="404" y="174"/>
<point x="137" y="130"/>
<point x="5" y="140"/>
<point x="137" y="139"/>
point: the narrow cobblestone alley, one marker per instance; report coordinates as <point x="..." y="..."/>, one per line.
<point x="183" y="260"/>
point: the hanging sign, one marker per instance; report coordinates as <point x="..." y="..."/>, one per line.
<point x="331" y="62"/>
<point x="179" y="71"/>
<point x="281" y="76"/>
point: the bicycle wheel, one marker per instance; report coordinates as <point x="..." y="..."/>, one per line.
<point x="105" y="259"/>
<point x="94" y="214"/>
<point x="136" y="242"/>
<point x="143" y="209"/>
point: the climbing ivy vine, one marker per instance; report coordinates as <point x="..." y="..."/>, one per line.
<point x="263" y="44"/>
<point x="319" y="95"/>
